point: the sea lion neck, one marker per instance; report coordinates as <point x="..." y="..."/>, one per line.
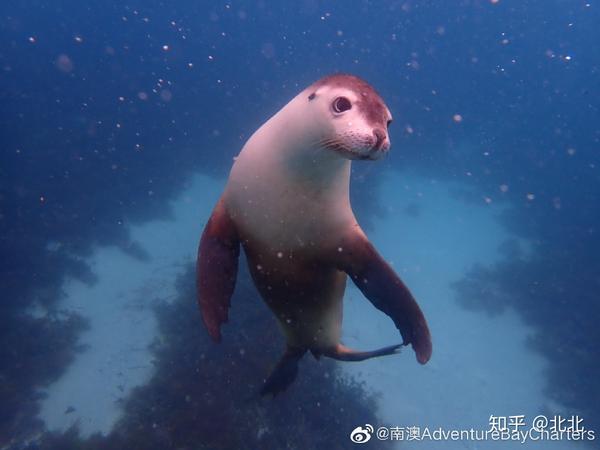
<point x="289" y="143"/>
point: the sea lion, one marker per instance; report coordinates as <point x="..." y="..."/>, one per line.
<point x="287" y="203"/>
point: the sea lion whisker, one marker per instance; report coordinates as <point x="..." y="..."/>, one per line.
<point x="325" y="142"/>
<point x="335" y="144"/>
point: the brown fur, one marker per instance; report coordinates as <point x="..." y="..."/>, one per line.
<point x="371" y="104"/>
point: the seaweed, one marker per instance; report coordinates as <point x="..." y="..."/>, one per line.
<point x="556" y="292"/>
<point x="206" y="395"/>
<point x="85" y="155"/>
<point x="33" y="354"/>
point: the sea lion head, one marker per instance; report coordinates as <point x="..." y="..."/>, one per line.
<point x="354" y="116"/>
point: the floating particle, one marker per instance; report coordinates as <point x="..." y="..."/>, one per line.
<point x="457" y="118"/>
<point x="488" y="200"/>
<point x="409" y="129"/>
<point x="279" y="255"/>
<point x="556" y="202"/>
<point x="567" y="58"/>
<point x="64" y="63"/>
<point x="78" y="39"/>
<point x="165" y="48"/>
<point x="530" y="197"/>
<point x="571" y="151"/>
<point x="494" y="2"/>
<point x="166" y="95"/>
<point x="190" y="65"/>
<point x="32" y="39"/>
<point x="268" y="50"/>
<point x="210" y="57"/>
<point x="142" y="95"/>
<point x="504" y="188"/>
<point x="121" y="98"/>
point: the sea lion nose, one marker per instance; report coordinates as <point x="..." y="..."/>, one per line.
<point x="380" y="137"/>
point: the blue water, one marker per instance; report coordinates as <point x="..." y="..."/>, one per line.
<point x="119" y="124"/>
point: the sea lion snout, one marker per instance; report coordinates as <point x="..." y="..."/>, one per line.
<point x="381" y="140"/>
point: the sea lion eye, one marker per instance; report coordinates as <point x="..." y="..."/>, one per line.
<point x="341" y="104"/>
<point x="389" y="122"/>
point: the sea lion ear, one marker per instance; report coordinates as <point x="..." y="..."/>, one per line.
<point x="312" y="96"/>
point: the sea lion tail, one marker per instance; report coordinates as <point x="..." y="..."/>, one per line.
<point x="284" y="372"/>
<point x="343" y="353"/>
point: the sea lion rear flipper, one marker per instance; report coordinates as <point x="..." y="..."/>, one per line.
<point x="343" y="353"/>
<point x="380" y="284"/>
<point x="284" y="372"/>
<point x="216" y="269"/>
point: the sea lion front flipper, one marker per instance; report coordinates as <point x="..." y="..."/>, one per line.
<point x="216" y="269"/>
<point x="380" y="284"/>
<point x="284" y="372"/>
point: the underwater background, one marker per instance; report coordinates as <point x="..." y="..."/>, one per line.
<point x="119" y="123"/>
